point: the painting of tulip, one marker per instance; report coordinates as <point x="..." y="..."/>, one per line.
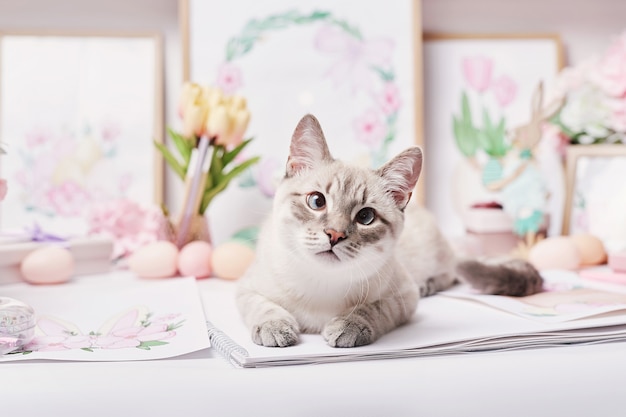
<point x="481" y="99"/>
<point x="352" y="67"/>
<point x="78" y="119"/>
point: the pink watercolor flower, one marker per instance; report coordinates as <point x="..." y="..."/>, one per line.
<point x="478" y="71"/>
<point x="353" y="57"/>
<point x="610" y="71"/>
<point x="505" y="90"/>
<point x="370" y="128"/>
<point x="133" y="336"/>
<point x="4" y="188"/>
<point x="229" y="78"/>
<point x="68" y="198"/>
<point x="36" y="138"/>
<point x="129" y="224"/>
<point x="390" y="98"/>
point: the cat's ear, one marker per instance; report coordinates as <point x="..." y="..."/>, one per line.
<point x="308" y="146"/>
<point x="401" y="173"/>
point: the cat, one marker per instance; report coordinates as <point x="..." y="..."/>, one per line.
<point x="344" y="254"/>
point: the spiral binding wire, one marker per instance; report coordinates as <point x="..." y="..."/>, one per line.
<point x="224" y="345"/>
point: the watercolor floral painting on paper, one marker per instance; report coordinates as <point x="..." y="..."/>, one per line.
<point x="484" y="125"/>
<point x="353" y="71"/>
<point x="112" y="317"/>
<point x="78" y="126"/>
<point x="136" y="328"/>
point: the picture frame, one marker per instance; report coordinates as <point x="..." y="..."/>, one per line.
<point x="283" y="59"/>
<point x="595" y="197"/>
<point x="78" y="115"/>
<point x="474" y="82"/>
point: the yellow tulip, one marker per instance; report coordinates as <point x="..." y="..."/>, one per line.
<point x="218" y="124"/>
<point x="241" y="119"/>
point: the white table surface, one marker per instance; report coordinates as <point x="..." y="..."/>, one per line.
<point x="569" y="381"/>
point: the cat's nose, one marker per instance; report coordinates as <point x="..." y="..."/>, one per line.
<point x="334" y="236"/>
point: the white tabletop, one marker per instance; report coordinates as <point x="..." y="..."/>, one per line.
<point x="565" y="381"/>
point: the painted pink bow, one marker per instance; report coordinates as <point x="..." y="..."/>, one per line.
<point x="354" y="58"/>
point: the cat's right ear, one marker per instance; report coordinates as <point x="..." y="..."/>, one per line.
<point x="308" y="146"/>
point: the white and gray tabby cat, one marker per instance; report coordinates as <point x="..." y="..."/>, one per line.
<point x="344" y="254"/>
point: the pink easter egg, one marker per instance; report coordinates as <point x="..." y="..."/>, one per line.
<point x="558" y="252"/>
<point x="155" y="260"/>
<point x="194" y="259"/>
<point x="591" y="249"/>
<point x="48" y="265"/>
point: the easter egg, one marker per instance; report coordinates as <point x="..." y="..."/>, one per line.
<point x="48" y="265"/>
<point x="155" y="260"/>
<point x="591" y="249"/>
<point x="557" y="252"/>
<point x="194" y="259"/>
<point x="231" y="259"/>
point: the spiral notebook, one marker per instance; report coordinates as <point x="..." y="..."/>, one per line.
<point x="458" y="321"/>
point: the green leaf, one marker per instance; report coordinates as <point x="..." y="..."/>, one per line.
<point x="466" y="112"/>
<point x="465" y="137"/>
<point x="146" y="345"/>
<point x="232" y="154"/>
<point x="184" y="145"/>
<point x="221" y="185"/>
<point x="171" y="160"/>
<point x="87" y="349"/>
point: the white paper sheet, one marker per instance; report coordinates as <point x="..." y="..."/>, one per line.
<point x="112" y="317"/>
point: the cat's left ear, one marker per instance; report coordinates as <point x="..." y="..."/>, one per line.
<point x="308" y="146"/>
<point x="401" y="174"/>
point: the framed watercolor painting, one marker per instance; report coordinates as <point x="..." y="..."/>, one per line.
<point x="354" y="68"/>
<point x="78" y="116"/>
<point x="596" y="193"/>
<point x="484" y="105"/>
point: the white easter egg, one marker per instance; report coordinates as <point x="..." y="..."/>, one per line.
<point x="155" y="260"/>
<point x="48" y="265"/>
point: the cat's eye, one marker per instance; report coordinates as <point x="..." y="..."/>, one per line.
<point x="366" y="216"/>
<point x="316" y="200"/>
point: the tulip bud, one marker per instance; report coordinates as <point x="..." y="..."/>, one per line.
<point x="213" y="97"/>
<point x="194" y="120"/>
<point x="241" y="119"/>
<point x="193" y="110"/>
<point x="218" y="124"/>
<point x="238" y="103"/>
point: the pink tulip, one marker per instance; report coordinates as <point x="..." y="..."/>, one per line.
<point x="477" y="71"/>
<point x="505" y="90"/>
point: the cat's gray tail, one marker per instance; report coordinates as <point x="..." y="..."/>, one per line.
<point x="514" y="277"/>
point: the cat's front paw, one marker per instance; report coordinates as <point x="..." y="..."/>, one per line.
<point x="275" y="333"/>
<point x="344" y="332"/>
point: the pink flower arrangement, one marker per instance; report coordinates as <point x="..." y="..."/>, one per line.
<point x="129" y="224"/>
<point x="594" y="94"/>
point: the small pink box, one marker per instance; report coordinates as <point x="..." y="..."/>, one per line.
<point x="617" y="261"/>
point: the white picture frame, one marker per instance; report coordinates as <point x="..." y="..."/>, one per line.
<point x="287" y="60"/>
<point x="477" y="65"/>
<point x="78" y="115"/>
